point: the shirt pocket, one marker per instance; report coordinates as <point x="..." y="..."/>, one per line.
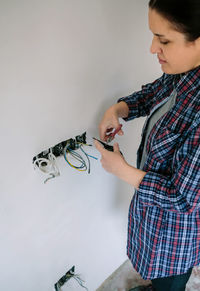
<point x="163" y="145"/>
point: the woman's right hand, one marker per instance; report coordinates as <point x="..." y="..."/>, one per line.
<point x="110" y="120"/>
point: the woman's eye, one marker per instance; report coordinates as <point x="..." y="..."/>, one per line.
<point x="164" y="42"/>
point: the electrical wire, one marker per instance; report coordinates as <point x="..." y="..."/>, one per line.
<point x="80" y="281"/>
<point x="48" y="166"/>
<point x="83" y="165"/>
<point x="69" y="275"/>
<point x="87" y="158"/>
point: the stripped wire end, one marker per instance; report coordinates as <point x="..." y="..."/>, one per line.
<point x="46" y="160"/>
<point x="70" y="274"/>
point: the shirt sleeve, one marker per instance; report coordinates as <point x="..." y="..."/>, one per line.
<point x="140" y="103"/>
<point x="181" y="191"/>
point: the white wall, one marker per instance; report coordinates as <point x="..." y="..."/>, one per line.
<point x="62" y="63"/>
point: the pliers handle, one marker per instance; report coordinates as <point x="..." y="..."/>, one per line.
<point x="106" y="146"/>
<point x="111" y="136"/>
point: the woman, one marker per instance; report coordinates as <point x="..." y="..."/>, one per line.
<point x="164" y="216"/>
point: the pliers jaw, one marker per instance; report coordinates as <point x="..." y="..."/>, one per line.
<point x="105" y="145"/>
<point x="111" y="136"/>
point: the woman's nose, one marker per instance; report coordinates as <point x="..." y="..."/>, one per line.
<point x="155" y="46"/>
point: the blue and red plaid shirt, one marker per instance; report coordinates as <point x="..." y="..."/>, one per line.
<point x="164" y="215"/>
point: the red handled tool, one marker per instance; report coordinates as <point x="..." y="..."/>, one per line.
<point x="111" y="136"/>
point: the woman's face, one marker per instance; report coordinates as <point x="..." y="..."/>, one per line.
<point x="175" y="54"/>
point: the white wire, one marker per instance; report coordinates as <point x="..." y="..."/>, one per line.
<point x="50" y="166"/>
<point x="80" y="281"/>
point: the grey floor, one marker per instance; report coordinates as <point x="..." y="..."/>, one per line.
<point x="125" y="277"/>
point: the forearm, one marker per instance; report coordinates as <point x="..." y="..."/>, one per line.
<point x="121" y="109"/>
<point x="140" y="103"/>
<point x="113" y="162"/>
<point x="110" y="119"/>
<point x="131" y="175"/>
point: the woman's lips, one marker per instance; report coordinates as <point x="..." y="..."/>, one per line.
<point x="161" y="61"/>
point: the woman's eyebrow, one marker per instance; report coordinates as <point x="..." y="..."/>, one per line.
<point x="159" y="35"/>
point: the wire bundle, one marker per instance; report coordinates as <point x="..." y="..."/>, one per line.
<point x="69" y="275"/>
<point x="82" y="166"/>
<point x="48" y="166"/>
<point x="46" y="161"/>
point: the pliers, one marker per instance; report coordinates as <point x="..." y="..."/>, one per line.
<point x="106" y="146"/>
<point x="111" y="136"/>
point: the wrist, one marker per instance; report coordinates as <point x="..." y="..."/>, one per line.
<point x="121" y="109"/>
<point x="131" y="175"/>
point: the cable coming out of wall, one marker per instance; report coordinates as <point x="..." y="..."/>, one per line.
<point x="69" y="275"/>
<point x="47" y="163"/>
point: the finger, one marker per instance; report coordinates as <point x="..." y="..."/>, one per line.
<point x="105" y="131"/>
<point x="116" y="147"/>
<point x="99" y="147"/>
<point x="109" y="130"/>
<point x="108" y="134"/>
<point x="102" y="133"/>
<point x="120" y="132"/>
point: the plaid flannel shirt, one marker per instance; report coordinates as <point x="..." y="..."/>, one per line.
<point x="164" y="215"/>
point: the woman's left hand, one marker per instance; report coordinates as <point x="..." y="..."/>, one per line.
<point x="112" y="162"/>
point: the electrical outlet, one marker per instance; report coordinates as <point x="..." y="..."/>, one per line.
<point x="58" y="149"/>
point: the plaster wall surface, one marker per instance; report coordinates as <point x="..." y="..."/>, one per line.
<point x="62" y="64"/>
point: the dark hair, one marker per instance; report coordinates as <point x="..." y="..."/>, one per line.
<point x="183" y="14"/>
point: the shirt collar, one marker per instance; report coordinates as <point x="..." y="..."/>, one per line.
<point x="188" y="81"/>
